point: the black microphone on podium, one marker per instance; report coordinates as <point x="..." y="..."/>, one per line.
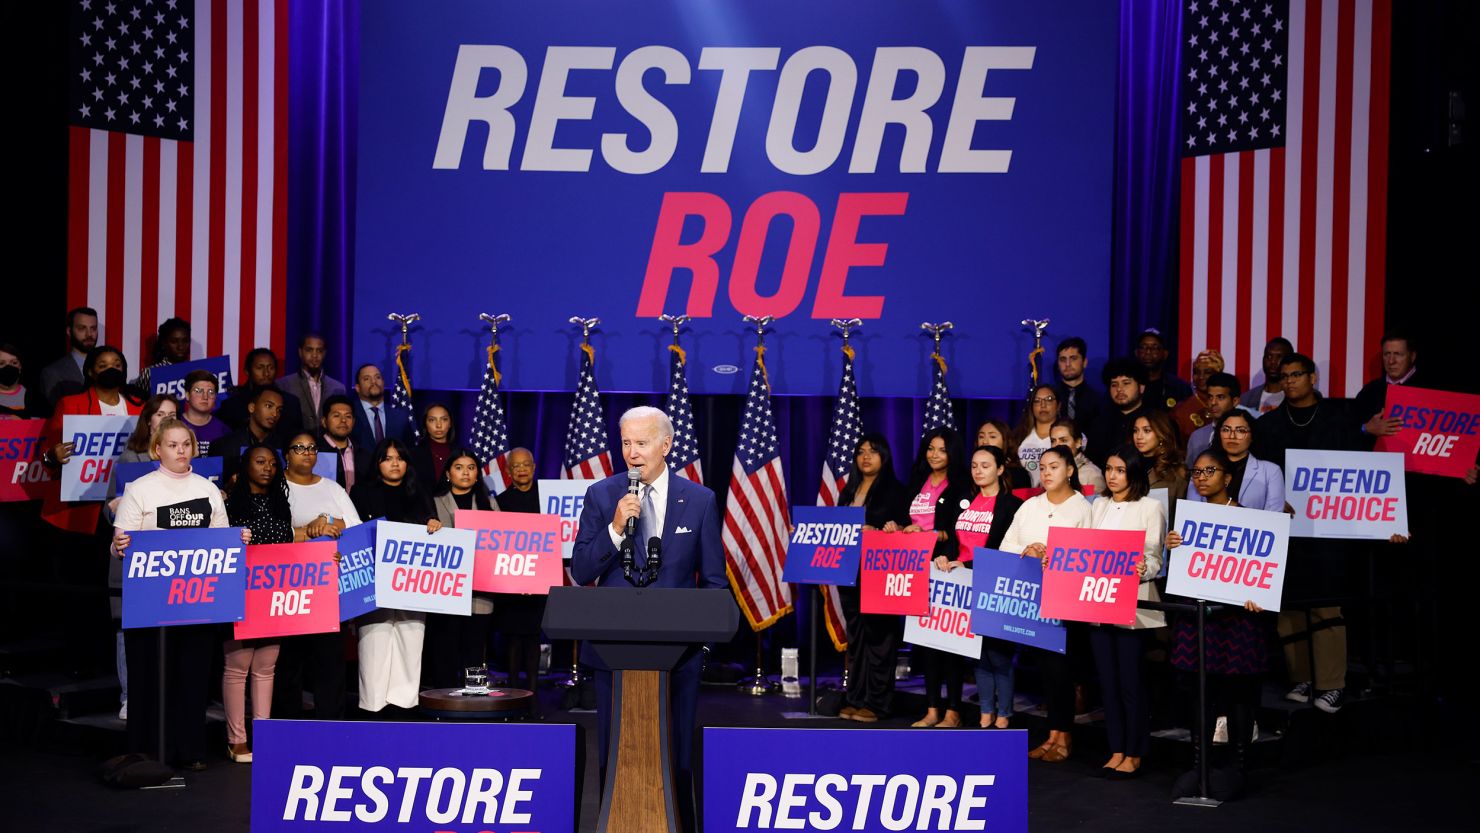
<point x="654" y="558"/>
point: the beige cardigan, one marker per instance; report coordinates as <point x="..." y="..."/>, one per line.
<point x="1148" y="514"/>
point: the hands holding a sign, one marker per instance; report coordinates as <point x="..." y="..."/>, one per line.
<point x="1174" y="540"/>
<point x="121" y="540"/>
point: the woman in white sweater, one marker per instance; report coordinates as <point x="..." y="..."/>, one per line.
<point x="1118" y="650"/>
<point x="1060" y="505"/>
<point x="170" y="498"/>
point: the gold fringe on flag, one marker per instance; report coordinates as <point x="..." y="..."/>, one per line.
<point x="498" y="378"/>
<point x="760" y="359"/>
<point x="589" y="351"/>
<point x="683" y="358"/>
<point x="401" y="350"/>
<point x="940" y="360"/>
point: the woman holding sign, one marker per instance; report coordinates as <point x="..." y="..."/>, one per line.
<point x="259" y="502"/>
<point x="984" y="523"/>
<point x="938" y="483"/>
<point x="320" y="507"/>
<point x="873" y="639"/>
<point x="391" y="640"/>
<point x="454" y="643"/>
<point x="1062" y="505"/>
<point x="1118" y="650"/>
<point x="1234" y="642"/>
<point x="170" y="498"/>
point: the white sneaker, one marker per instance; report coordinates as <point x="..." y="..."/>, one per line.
<point x="1299" y="694"/>
<point x="1330" y="702"/>
<point x="123" y="712"/>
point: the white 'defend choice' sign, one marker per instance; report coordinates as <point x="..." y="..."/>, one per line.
<point x="1229" y="554"/>
<point x="947" y="625"/>
<point x="96" y="443"/>
<point x="565" y="498"/>
<point x="415" y="570"/>
<point x="1346" y="494"/>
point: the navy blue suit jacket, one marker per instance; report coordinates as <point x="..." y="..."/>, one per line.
<point x="397" y="424"/>
<point x="692" y="554"/>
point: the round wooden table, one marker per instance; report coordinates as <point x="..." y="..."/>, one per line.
<point x="497" y="704"/>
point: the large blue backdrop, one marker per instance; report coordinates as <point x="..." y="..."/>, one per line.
<point x="895" y="161"/>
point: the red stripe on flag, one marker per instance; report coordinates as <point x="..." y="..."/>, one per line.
<point x="77" y="200"/>
<point x="184" y="226"/>
<point x="732" y="565"/>
<point x="1214" y="306"/>
<point x="249" y="254"/>
<point x="753" y="513"/>
<point x="1341" y="279"/>
<point x="280" y="183"/>
<point x="149" y="245"/>
<point x="1377" y="176"/>
<point x="1189" y="241"/>
<point x="1245" y="281"/>
<point x="1310" y="137"/>
<point x="111" y="316"/>
<point x="1274" y="296"/>
<point x="216" y="270"/>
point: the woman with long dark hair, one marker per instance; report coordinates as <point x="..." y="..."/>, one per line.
<point x="1159" y="444"/>
<point x="938" y="485"/>
<point x="454" y="643"/>
<point x="984" y="523"/>
<point x="996" y="433"/>
<point x="873" y="639"/>
<point x="1257" y="484"/>
<point x="258" y="501"/>
<point x="391" y="640"/>
<point x="438" y="439"/>
<point x="1060" y="505"/>
<point x="1118" y="650"/>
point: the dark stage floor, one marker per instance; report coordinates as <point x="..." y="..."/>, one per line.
<point x="1335" y="782"/>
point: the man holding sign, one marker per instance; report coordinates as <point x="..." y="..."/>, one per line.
<point x="203" y="577"/>
<point x="678" y="514"/>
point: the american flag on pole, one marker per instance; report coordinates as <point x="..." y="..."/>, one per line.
<point x="684" y="457"/>
<point x="490" y="429"/>
<point x="756" y="515"/>
<point x="842" y="438"/>
<point x="586" y="454"/>
<point x="1284" y="111"/>
<point x="178" y="169"/>
<point x="938" y="413"/>
<point x="401" y="389"/>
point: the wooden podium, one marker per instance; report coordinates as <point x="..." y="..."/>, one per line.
<point x="640" y="635"/>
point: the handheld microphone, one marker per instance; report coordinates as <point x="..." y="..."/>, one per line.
<point x="634" y="483"/>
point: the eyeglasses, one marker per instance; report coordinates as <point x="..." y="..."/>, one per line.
<point x="302" y="449"/>
<point x="1234" y="430"/>
<point x="206" y="392"/>
<point x="1296" y="374"/>
<point x="1044" y="400"/>
<point x="1207" y="472"/>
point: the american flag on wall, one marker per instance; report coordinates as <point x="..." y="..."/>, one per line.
<point x="1284" y="111"/>
<point x="586" y="452"/>
<point x="684" y="457"/>
<point x="178" y="171"/>
<point x="842" y="438"/>
<point x="756" y="514"/>
<point x="490" y="438"/>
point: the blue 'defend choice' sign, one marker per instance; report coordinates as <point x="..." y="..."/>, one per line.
<point x="322" y="776"/>
<point x="807" y="161"/>
<point x="826" y="543"/>
<point x="838" y="779"/>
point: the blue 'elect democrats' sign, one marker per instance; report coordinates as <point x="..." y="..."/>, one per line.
<point x="838" y="779"/>
<point x="311" y="776"/>
<point x="1009" y="591"/>
<point x="356" y="570"/>
<point x="826" y="543"/>
<point x="184" y="576"/>
<point x="829" y="159"/>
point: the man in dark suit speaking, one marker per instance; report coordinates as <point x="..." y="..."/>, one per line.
<point x="683" y="515"/>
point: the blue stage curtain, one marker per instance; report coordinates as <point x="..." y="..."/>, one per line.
<point x="1144" y="231"/>
<point x="323" y="92"/>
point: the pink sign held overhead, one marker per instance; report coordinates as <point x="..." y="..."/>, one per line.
<point x="1092" y="575"/>
<point x="517" y="552"/>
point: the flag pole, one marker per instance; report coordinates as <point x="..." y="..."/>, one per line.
<point x="846" y="326"/>
<point x="577" y="679"/>
<point x="1038" y="325"/>
<point x="758" y="684"/>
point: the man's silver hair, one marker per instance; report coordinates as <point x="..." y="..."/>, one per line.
<point x="665" y="425"/>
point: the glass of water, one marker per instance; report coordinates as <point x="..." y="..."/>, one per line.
<point x="475" y="678"/>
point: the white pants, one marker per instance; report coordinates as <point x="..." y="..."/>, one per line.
<point x="390" y="658"/>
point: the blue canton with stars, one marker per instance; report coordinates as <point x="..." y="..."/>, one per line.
<point x="585" y="436"/>
<point x="1234" y="56"/>
<point x="757" y="445"/>
<point x="938" y="413"/>
<point x="490" y="437"/>
<point x="133" y="67"/>
<point x="685" y="451"/>
<point x="847" y="426"/>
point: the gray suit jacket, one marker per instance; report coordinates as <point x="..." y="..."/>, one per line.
<point x="60" y="378"/>
<point x="296" y="385"/>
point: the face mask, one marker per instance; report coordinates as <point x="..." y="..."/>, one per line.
<point x="9" y="375"/>
<point x="110" y="379"/>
